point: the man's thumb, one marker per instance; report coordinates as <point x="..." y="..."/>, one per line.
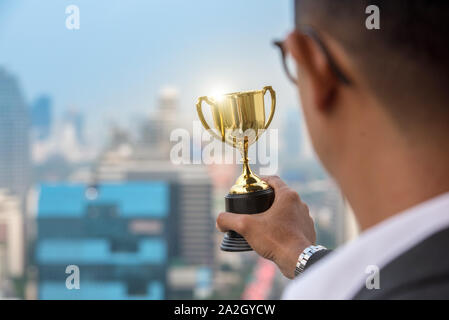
<point x="232" y="221"/>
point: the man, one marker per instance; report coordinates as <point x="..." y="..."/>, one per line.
<point x="376" y="106"/>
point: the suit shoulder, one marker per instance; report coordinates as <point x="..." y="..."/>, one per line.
<point x="422" y="272"/>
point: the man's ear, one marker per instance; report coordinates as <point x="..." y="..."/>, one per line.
<point x="314" y="68"/>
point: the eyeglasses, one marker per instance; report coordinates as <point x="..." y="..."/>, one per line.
<point x="290" y="70"/>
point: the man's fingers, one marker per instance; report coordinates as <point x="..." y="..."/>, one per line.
<point x="274" y="181"/>
<point x="231" y="221"/>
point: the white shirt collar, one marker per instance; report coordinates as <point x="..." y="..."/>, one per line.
<point x="342" y="274"/>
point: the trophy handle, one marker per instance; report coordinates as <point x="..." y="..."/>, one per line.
<point x="273" y="103"/>
<point x="203" y="120"/>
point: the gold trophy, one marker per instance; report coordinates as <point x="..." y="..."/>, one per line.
<point x="239" y="120"/>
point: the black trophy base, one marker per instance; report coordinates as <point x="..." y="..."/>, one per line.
<point x="250" y="203"/>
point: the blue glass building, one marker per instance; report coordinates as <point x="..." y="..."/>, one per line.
<point x="120" y="235"/>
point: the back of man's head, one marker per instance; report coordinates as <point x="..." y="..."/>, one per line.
<point x="405" y="63"/>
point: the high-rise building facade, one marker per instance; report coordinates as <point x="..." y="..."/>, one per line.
<point x="11" y="243"/>
<point x="192" y="201"/>
<point x="154" y="142"/>
<point x="119" y="236"/>
<point x="14" y="137"/>
<point x="192" y="228"/>
<point x="75" y="119"/>
<point x="41" y="116"/>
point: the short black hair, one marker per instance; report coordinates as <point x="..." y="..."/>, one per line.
<point x="406" y="59"/>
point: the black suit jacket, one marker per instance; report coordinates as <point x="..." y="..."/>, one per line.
<point x="421" y="272"/>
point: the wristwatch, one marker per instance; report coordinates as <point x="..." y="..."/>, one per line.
<point x="305" y="256"/>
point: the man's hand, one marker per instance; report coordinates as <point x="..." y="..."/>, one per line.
<point x="279" y="234"/>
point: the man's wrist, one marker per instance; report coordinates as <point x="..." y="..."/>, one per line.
<point x="304" y="257"/>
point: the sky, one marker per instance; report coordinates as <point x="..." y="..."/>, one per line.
<point x="126" y="51"/>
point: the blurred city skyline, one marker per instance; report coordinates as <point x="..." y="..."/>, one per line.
<point x="86" y="117"/>
<point x="197" y="49"/>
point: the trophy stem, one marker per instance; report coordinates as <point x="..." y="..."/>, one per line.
<point x="246" y="169"/>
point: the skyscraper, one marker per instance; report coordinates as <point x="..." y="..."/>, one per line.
<point x="292" y="134"/>
<point x="11" y="243"/>
<point x="155" y="132"/>
<point x="75" y="119"/>
<point x="41" y="117"/>
<point x="14" y="136"/>
<point x="118" y="234"/>
<point x="192" y="201"/>
<point x="192" y="246"/>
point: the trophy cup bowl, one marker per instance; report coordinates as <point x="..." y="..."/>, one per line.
<point x="239" y="120"/>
